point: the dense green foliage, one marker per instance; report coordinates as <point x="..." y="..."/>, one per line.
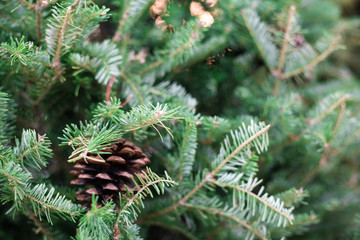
<point x="248" y="109"/>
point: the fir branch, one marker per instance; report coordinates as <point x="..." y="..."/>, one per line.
<point x="131" y="13"/>
<point x="143" y="116"/>
<point x="283" y="51"/>
<point x="219" y="212"/>
<point x="209" y="176"/>
<point x="239" y="148"/>
<point x="56" y="61"/>
<point x="129" y="207"/>
<point x="187" y="151"/>
<point x="315" y="62"/>
<point x="269" y="203"/>
<point x="44" y="201"/>
<point x="95" y="224"/>
<point x="16" y="180"/>
<point x="286" y="39"/>
<point x="33" y="147"/>
<point x="329" y="110"/>
<point x="171" y="55"/>
<point x="259" y="32"/>
<point x="140" y="193"/>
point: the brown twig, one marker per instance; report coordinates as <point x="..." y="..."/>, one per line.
<point x="108" y="89"/>
<point x="286" y="39"/>
<point x="56" y="62"/>
<point x="279" y="71"/>
<point x="127" y="100"/>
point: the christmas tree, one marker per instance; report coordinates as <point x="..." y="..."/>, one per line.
<point x="165" y="119"/>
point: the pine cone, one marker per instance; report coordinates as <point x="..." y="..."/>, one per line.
<point x="107" y="179"/>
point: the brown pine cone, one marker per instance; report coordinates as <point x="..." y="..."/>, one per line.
<point x="106" y="175"/>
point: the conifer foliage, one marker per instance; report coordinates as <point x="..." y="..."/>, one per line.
<point x="120" y="101"/>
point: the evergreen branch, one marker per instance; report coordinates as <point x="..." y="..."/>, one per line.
<point x="329" y="110"/>
<point x="143" y="116"/>
<point x="34" y="147"/>
<point x="17" y="180"/>
<point x="187" y="151"/>
<point x="140" y="193"/>
<point x="185" y="233"/>
<point x="286" y="39"/>
<point x="299" y="225"/>
<point x="43" y="201"/>
<point x="313" y="63"/>
<point x="56" y="61"/>
<point x="239" y="148"/>
<point x="229" y="216"/>
<point x="327" y="146"/>
<point x="259" y="32"/>
<point x="3" y="116"/>
<point x="19" y="50"/>
<point x="131" y="13"/>
<point x="209" y="176"/>
<point x="171" y="55"/>
<point x="129" y="211"/>
<point x="95" y="224"/>
<point x="265" y="201"/>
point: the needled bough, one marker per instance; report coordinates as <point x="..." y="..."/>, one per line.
<point x="107" y="175"/>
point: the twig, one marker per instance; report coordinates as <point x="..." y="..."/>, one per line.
<point x="38" y="224"/>
<point x="127" y="100"/>
<point x="279" y="71"/>
<point x="108" y="89"/>
<point x="313" y="63"/>
<point x="286" y="39"/>
<point x="56" y="62"/>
